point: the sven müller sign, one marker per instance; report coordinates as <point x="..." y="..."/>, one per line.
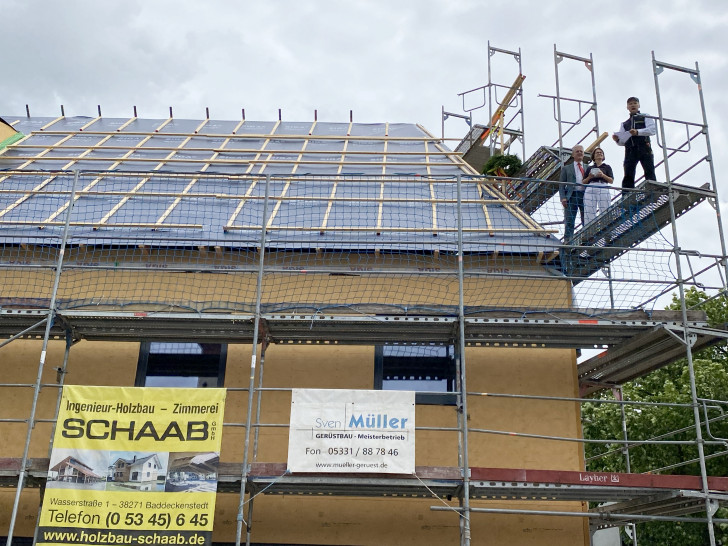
<point x="133" y="466"/>
<point x="352" y="431"/>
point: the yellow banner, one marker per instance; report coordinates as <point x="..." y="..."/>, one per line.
<point x="133" y="465"/>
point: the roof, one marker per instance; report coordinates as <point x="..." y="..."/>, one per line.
<point x="203" y="462"/>
<point x="78" y="465"/>
<point x="139" y="460"/>
<point x="203" y="182"/>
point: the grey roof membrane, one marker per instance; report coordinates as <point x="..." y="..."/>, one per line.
<point x="332" y="186"/>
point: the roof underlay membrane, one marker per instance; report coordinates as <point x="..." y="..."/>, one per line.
<point x="383" y="186"/>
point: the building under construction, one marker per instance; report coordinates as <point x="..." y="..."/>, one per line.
<point x="266" y="256"/>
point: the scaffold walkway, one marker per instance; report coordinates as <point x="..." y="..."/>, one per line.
<point x="638" y="342"/>
<point x="627" y="222"/>
<point x="553" y="329"/>
<point x="630" y="495"/>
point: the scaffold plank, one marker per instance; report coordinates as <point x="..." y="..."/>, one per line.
<point x="560" y="330"/>
<point x="632" y="493"/>
<point x="627" y="222"/>
<point x="639" y="356"/>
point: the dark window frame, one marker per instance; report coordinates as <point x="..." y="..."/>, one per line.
<point x="424" y="398"/>
<point x="184" y="361"/>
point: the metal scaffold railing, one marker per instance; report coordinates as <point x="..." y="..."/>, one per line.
<point x="658" y="68"/>
<point x="503" y="129"/>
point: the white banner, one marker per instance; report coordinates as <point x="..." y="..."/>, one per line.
<point x="352" y="431"/>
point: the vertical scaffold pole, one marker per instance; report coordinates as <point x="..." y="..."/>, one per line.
<point x="256" y="433"/>
<point x="41" y="363"/>
<point x="625" y="450"/>
<point x="491" y="52"/>
<point x="657" y="68"/>
<point x="592" y="105"/>
<point x="465" y="467"/>
<point x="713" y="182"/>
<point x="251" y="383"/>
<point x="61" y="379"/>
<point x="590" y="67"/>
<point x="557" y="60"/>
<point x="521" y="110"/>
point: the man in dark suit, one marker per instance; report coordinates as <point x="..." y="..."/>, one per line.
<point x="571" y="191"/>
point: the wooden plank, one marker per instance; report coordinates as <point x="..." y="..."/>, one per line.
<point x="279" y="201"/>
<point x="602" y="479"/>
<point x="380" y="207"/>
<point x="221" y="150"/>
<point x="433" y="208"/>
<point x="265" y="143"/>
<point x="281" y="136"/>
<point x="218" y="161"/>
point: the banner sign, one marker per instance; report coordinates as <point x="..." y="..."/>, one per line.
<point x="133" y="465"/>
<point x="352" y="431"/>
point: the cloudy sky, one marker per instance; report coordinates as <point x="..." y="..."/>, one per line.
<point x="395" y="61"/>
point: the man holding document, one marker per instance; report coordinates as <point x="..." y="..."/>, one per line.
<point x="634" y="134"/>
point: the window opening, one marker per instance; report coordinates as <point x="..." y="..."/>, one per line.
<point x="195" y="365"/>
<point x="427" y="369"/>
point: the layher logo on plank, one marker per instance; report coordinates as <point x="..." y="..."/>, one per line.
<point x="352" y="431"/>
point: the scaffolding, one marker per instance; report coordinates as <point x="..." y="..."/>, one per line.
<point x="503" y="129"/>
<point x="239" y="232"/>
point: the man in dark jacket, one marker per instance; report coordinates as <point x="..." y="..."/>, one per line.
<point x="571" y="191"/>
<point x="634" y="134"/>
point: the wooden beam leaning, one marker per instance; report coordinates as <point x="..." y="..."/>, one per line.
<point x="504" y="104"/>
<point x="589" y="149"/>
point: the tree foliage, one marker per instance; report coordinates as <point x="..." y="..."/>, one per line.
<point x="670" y="384"/>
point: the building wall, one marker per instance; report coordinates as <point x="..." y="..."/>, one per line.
<point x="125" y="473"/>
<point x="327" y="520"/>
<point x="281" y="519"/>
<point x="397" y="281"/>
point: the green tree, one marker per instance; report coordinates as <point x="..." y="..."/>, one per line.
<point x="670" y="384"/>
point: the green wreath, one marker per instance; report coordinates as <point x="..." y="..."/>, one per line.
<point x="503" y="165"/>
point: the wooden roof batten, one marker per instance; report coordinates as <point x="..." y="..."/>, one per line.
<point x="428" y="154"/>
